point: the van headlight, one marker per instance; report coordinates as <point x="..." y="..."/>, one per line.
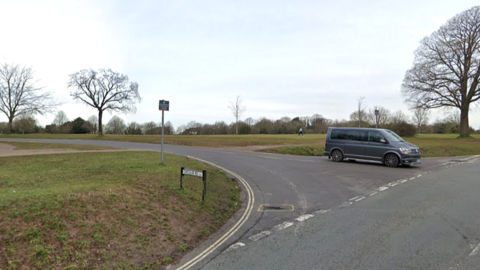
<point x="405" y="150"/>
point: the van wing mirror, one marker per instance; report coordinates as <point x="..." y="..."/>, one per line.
<point x="382" y="140"/>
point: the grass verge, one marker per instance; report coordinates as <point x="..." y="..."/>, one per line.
<point x="106" y="210"/>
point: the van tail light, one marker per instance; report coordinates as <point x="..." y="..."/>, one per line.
<point x="325" y="144"/>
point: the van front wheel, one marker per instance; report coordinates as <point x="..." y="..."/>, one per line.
<point x="391" y="160"/>
<point x="337" y="155"/>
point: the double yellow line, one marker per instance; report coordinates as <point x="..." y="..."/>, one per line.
<point x="234" y="229"/>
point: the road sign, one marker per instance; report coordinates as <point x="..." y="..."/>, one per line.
<point x="164" y="105"/>
<point x="192" y="173"/>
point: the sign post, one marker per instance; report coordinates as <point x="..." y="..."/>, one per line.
<point x="163" y="106"/>
<point x="377" y="112"/>
<point x="202" y="174"/>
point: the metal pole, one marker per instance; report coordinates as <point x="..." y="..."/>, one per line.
<point x="204" y="174"/>
<point x="163" y="112"/>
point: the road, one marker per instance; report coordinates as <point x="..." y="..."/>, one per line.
<point x="312" y="213"/>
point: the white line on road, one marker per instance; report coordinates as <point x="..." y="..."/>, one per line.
<point x="412" y="178"/>
<point x="382" y="188"/>
<point x="359" y="199"/>
<point x="403" y="181"/>
<point x="355" y="198"/>
<point x="259" y="236"/>
<point x="373" y="194"/>
<point x="235" y="246"/>
<point x="303" y="217"/>
<point x="392" y="184"/>
<point x="282" y="226"/>
<point x="475" y="251"/>
<point x="323" y="211"/>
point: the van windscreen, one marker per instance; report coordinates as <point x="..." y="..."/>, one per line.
<point x="392" y="136"/>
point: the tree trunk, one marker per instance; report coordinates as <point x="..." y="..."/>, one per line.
<point x="464" y="125"/>
<point x="100" y="129"/>
<point x="10" y="124"/>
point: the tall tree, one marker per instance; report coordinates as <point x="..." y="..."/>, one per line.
<point x="237" y="109"/>
<point x="420" y="118"/>
<point x="446" y="69"/>
<point x="360" y="115"/>
<point x="381" y="119"/>
<point x="19" y="95"/>
<point x="116" y="125"/>
<point x="104" y="90"/>
<point x="60" y="119"/>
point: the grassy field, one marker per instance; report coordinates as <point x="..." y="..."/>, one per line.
<point x="118" y="210"/>
<point x="431" y="145"/>
<point x="193" y="140"/>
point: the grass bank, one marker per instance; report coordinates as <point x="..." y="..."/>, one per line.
<point x="106" y="210"/>
<point x="188" y="140"/>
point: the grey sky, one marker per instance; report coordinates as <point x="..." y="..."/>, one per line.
<point x="284" y="58"/>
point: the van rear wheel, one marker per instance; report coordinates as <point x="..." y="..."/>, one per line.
<point x="337" y="155"/>
<point x="391" y="160"/>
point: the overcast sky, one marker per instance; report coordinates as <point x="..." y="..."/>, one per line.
<point x="283" y="57"/>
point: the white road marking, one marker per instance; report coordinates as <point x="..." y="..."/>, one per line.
<point x="382" y="188"/>
<point x="359" y="199"/>
<point x="412" y="178"/>
<point x="282" y="226"/>
<point x="355" y="198"/>
<point x="323" y="211"/>
<point x="419" y="175"/>
<point x="259" y="236"/>
<point x="475" y="251"/>
<point x="373" y="194"/>
<point x="235" y="246"/>
<point x="403" y="181"/>
<point x="392" y="184"/>
<point x="303" y="217"/>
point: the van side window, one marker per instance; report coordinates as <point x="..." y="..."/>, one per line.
<point x="375" y="136"/>
<point x="338" y="135"/>
<point x="352" y="135"/>
<point x="356" y="135"/>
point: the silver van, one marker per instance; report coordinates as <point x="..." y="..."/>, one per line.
<point x="370" y="144"/>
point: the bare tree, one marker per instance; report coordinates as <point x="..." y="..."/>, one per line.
<point x="60" y="119"/>
<point x="24" y="124"/>
<point x="360" y="115"/>
<point x="19" y="95"/>
<point x="420" y="118"/>
<point x="383" y="117"/>
<point x="237" y="110"/>
<point x="446" y="70"/>
<point x="93" y="120"/>
<point x="116" y="125"/>
<point x="398" y="117"/>
<point x="104" y="90"/>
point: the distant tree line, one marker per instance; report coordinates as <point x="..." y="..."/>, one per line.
<point x="315" y="124"/>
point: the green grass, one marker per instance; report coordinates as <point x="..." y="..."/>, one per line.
<point x="106" y="210"/>
<point x="189" y="140"/>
